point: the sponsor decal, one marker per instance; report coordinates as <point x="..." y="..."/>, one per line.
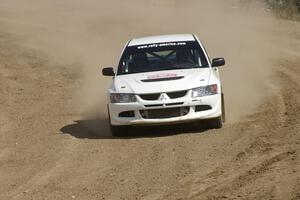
<point x="162" y="45"/>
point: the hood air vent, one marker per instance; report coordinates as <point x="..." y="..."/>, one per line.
<point x="163" y="79"/>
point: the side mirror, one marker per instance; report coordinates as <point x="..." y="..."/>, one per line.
<point x="108" y="71"/>
<point x="217" y="62"/>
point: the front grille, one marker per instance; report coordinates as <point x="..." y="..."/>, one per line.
<point x="150" y="97"/>
<point x="164" y="113"/>
<point x="155" y="96"/>
<point x="175" y="95"/>
<point x="174" y="104"/>
<point x="153" y="105"/>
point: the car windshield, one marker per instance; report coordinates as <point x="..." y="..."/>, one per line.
<point x="162" y="56"/>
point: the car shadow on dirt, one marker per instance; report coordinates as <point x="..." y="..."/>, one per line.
<point x="90" y="128"/>
<point x="99" y="129"/>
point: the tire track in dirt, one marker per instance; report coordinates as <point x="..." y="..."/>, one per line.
<point x="26" y="83"/>
<point x="254" y="158"/>
<point x="270" y="150"/>
<point x="214" y="164"/>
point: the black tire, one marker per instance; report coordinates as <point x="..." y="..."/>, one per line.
<point x="216" y="123"/>
<point x="118" y="131"/>
<point x="223" y="108"/>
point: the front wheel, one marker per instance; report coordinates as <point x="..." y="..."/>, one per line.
<point x="118" y="131"/>
<point x="216" y="123"/>
<point x="223" y="108"/>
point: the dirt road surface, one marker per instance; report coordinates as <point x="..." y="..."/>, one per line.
<point x="50" y="150"/>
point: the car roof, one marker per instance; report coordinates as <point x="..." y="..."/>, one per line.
<point x="161" y="39"/>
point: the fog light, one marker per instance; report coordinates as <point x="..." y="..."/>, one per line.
<point x="127" y="114"/>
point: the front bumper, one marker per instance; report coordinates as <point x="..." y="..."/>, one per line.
<point x="139" y="107"/>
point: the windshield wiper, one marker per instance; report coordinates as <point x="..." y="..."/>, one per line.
<point x="197" y="66"/>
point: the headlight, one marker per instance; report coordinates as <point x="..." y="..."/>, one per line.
<point x="205" y="91"/>
<point x="122" y="98"/>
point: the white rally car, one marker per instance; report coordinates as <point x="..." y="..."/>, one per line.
<point x="163" y="80"/>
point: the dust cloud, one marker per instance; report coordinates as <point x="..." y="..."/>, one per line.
<point x="89" y="35"/>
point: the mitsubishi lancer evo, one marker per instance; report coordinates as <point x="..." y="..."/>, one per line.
<point x="165" y="79"/>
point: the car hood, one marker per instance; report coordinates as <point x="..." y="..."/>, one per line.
<point x="161" y="81"/>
